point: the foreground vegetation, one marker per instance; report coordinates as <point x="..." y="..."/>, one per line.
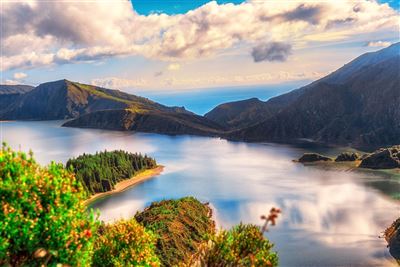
<point x="43" y="222"/>
<point x="42" y="216"/>
<point x="125" y="243"/>
<point x="180" y="225"/>
<point x="101" y="171"/>
<point x="243" y="245"/>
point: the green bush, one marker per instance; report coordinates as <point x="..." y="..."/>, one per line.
<point x="181" y="227"/>
<point x="42" y="215"/>
<point x="243" y="245"/>
<point x="125" y="243"/>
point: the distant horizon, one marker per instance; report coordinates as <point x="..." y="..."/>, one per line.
<point x="203" y="100"/>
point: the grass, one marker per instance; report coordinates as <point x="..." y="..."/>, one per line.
<point x="94" y="91"/>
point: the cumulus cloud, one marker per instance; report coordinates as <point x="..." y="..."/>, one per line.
<point x="379" y="44"/>
<point x="42" y="33"/>
<point x="309" y="13"/>
<point x="20" y="75"/>
<point x="273" y="51"/>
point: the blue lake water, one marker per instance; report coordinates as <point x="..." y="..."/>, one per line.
<point x="330" y="217"/>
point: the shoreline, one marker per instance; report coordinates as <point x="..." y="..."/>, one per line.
<point x="124" y="185"/>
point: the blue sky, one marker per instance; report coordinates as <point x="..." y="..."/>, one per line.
<point x="159" y="45"/>
<point x="393" y="3"/>
<point x="171" y="7"/>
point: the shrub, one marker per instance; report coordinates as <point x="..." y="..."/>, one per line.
<point x="243" y="245"/>
<point x="42" y="215"/>
<point x="125" y="243"/>
<point x="180" y="225"/>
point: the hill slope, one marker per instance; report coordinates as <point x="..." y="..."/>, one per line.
<point x="359" y="104"/>
<point x="94" y="107"/>
<point x="65" y="99"/>
<point x="14" y="89"/>
<point x="10" y="93"/>
<point x="163" y="122"/>
<point x="240" y="114"/>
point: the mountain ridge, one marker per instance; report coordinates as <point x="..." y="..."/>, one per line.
<point x="361" y="108"/>
<point x="15" y="89"/>
<point x="245" y="118"/>
<point x="64" y="99"/>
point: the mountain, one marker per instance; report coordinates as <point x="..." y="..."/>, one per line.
<point x="10" y="93"/>
<point x="359" y="104"/>
<point x="89" y="106"/>
<point x="65" y="99"/>
<point x="163" y="122"/>
<point x="245" y="113"/>
<point x="14" y="89"/>
<point x="240" y="114"/>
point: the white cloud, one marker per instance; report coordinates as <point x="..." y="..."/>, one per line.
<point x="174" y="66"/>
<point x="20" y="75"/>
<point x="118" y="83"/>
<point x="62" y="32"/>
<point x="10" y="82"/>
<point x="379" y="44"/>
<point x="214" y="80"/>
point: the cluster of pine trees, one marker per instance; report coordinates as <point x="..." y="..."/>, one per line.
<point x="101" y="171"/>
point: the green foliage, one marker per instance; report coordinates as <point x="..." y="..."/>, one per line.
<point x="42" y="215"/>
<point x="181" y="226"/>
<point x="101" y="171"/>
<point x="125" y="243"/>
<point x="243" y="245"/>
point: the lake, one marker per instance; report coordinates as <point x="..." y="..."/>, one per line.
<point x="331" y="217"/>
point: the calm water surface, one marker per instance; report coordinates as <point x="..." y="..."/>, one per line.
<point x="330" y="217"/>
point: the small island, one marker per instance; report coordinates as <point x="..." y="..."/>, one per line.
<point x="383" y="158"/>
<point x="107" y="172"/>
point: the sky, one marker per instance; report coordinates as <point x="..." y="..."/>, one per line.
<point x="151" y="45"/>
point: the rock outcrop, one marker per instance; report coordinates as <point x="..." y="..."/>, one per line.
<point x="347" y="156"/>
<point x="384" y="158"/>
<point x="392" y="236"/>
<point x="313" y="157"/>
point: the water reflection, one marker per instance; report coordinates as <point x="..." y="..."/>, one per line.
<point x="330" y="217"/>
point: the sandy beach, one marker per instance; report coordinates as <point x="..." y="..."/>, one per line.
<point x="123" y="185"/>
